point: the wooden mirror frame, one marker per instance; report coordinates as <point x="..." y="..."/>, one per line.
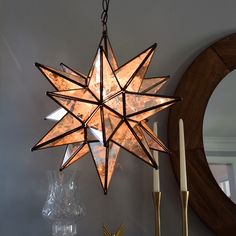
<point x="196" y="87"/>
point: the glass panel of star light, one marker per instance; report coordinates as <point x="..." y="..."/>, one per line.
<point x="116" y="104"/>
<point x="110" y="83"/>
<point x="105" y="43"/>
<point x="111" y="122"/>
<point x="152" y="139"/>
<point x="105" y="160"/>
<point x="68" y="125"/>
<point x="141" y="138"/>
<point x="56" y="115"/>
<point x="127" y="140"/>
<point x="106" y="117"/>
<point x="73" y="153"/>
<point x="138" y="102"/>
<point x="125" y="72"/>
<point x="112" y="155"/>
<point x="96" y="127"/>
<point x="152" y="85"/>
<point x="71" y="149"/>
<point x="96" y="75"/>
<point x="145" y="114"/>
<point x="68" y="70"/>
<point x="137" y="79"/>
<point x="98" y="152"/>
<point x="75" y="136"/>
<point x="80" y="109"/>
<point x="61" y="80"/>
<point x="76" y="94"/>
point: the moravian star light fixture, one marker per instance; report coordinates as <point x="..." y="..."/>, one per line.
<point x="105" y="110"/>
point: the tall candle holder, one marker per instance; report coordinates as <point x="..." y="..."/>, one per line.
<point x="184" y="199"/>
<point x="157" y="205"/>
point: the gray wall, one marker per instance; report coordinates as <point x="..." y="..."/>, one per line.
<point x="53" y="31"/>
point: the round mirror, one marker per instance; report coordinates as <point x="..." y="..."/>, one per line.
<point x="219" y="135"/>
<point x="204" y="77"/>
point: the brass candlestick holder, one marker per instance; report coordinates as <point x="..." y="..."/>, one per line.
<point x="184" y="200"/>
<point x="120" y="231"/>
<point x="157" y="205"/>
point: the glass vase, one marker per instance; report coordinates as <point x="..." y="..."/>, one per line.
<point x="62" y="206"/>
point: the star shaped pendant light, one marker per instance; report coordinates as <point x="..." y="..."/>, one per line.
<point x="105" y="110"/>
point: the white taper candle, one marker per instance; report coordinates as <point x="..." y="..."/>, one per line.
<point x="156" y="173"/>
<point x="183" y="175"/>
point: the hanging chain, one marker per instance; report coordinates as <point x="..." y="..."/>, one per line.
<point x="104" y="15"/>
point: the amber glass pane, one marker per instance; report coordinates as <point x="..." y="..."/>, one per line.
<point x="105" y="43"/>
<point x="68" y="138"/>
<point x="73" y="153"/>
<point x="68" y="70"/>
<point x="138" y="103"/>
<point x="62" y="80"/>
<point x="125" y="138"/>
<point x="90" y="135"/>
<point x="116" y="103"/>
<point x="112" y="157"/>
<point x="80" y="109"/>
<point x="153" y="144"/>
<point x="56" y="115"/>
<point x="141" y="137"/>
<point x="102" y="154"/>
<point x="59" y="82"/>
<point x="67" y="124"/>
<point x="152" y="85"/>
<point x="107" y="122"/>
<point x="96" y="127"/>
<point x="110" y="84"/>
<point x="145" y="115"/>
<point x="125" y="72"/>
<point x="153" y="141"/>
<point x="111" y="122"/>
<point x="95" y="79"/>
<point x="156" y="89"/>
<point x="135" y="84"/>
<point x="76" y="94"/>
<point x="145" y="127"/>
<point x="71" y="149"/>
<point x="98" y="152"/>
